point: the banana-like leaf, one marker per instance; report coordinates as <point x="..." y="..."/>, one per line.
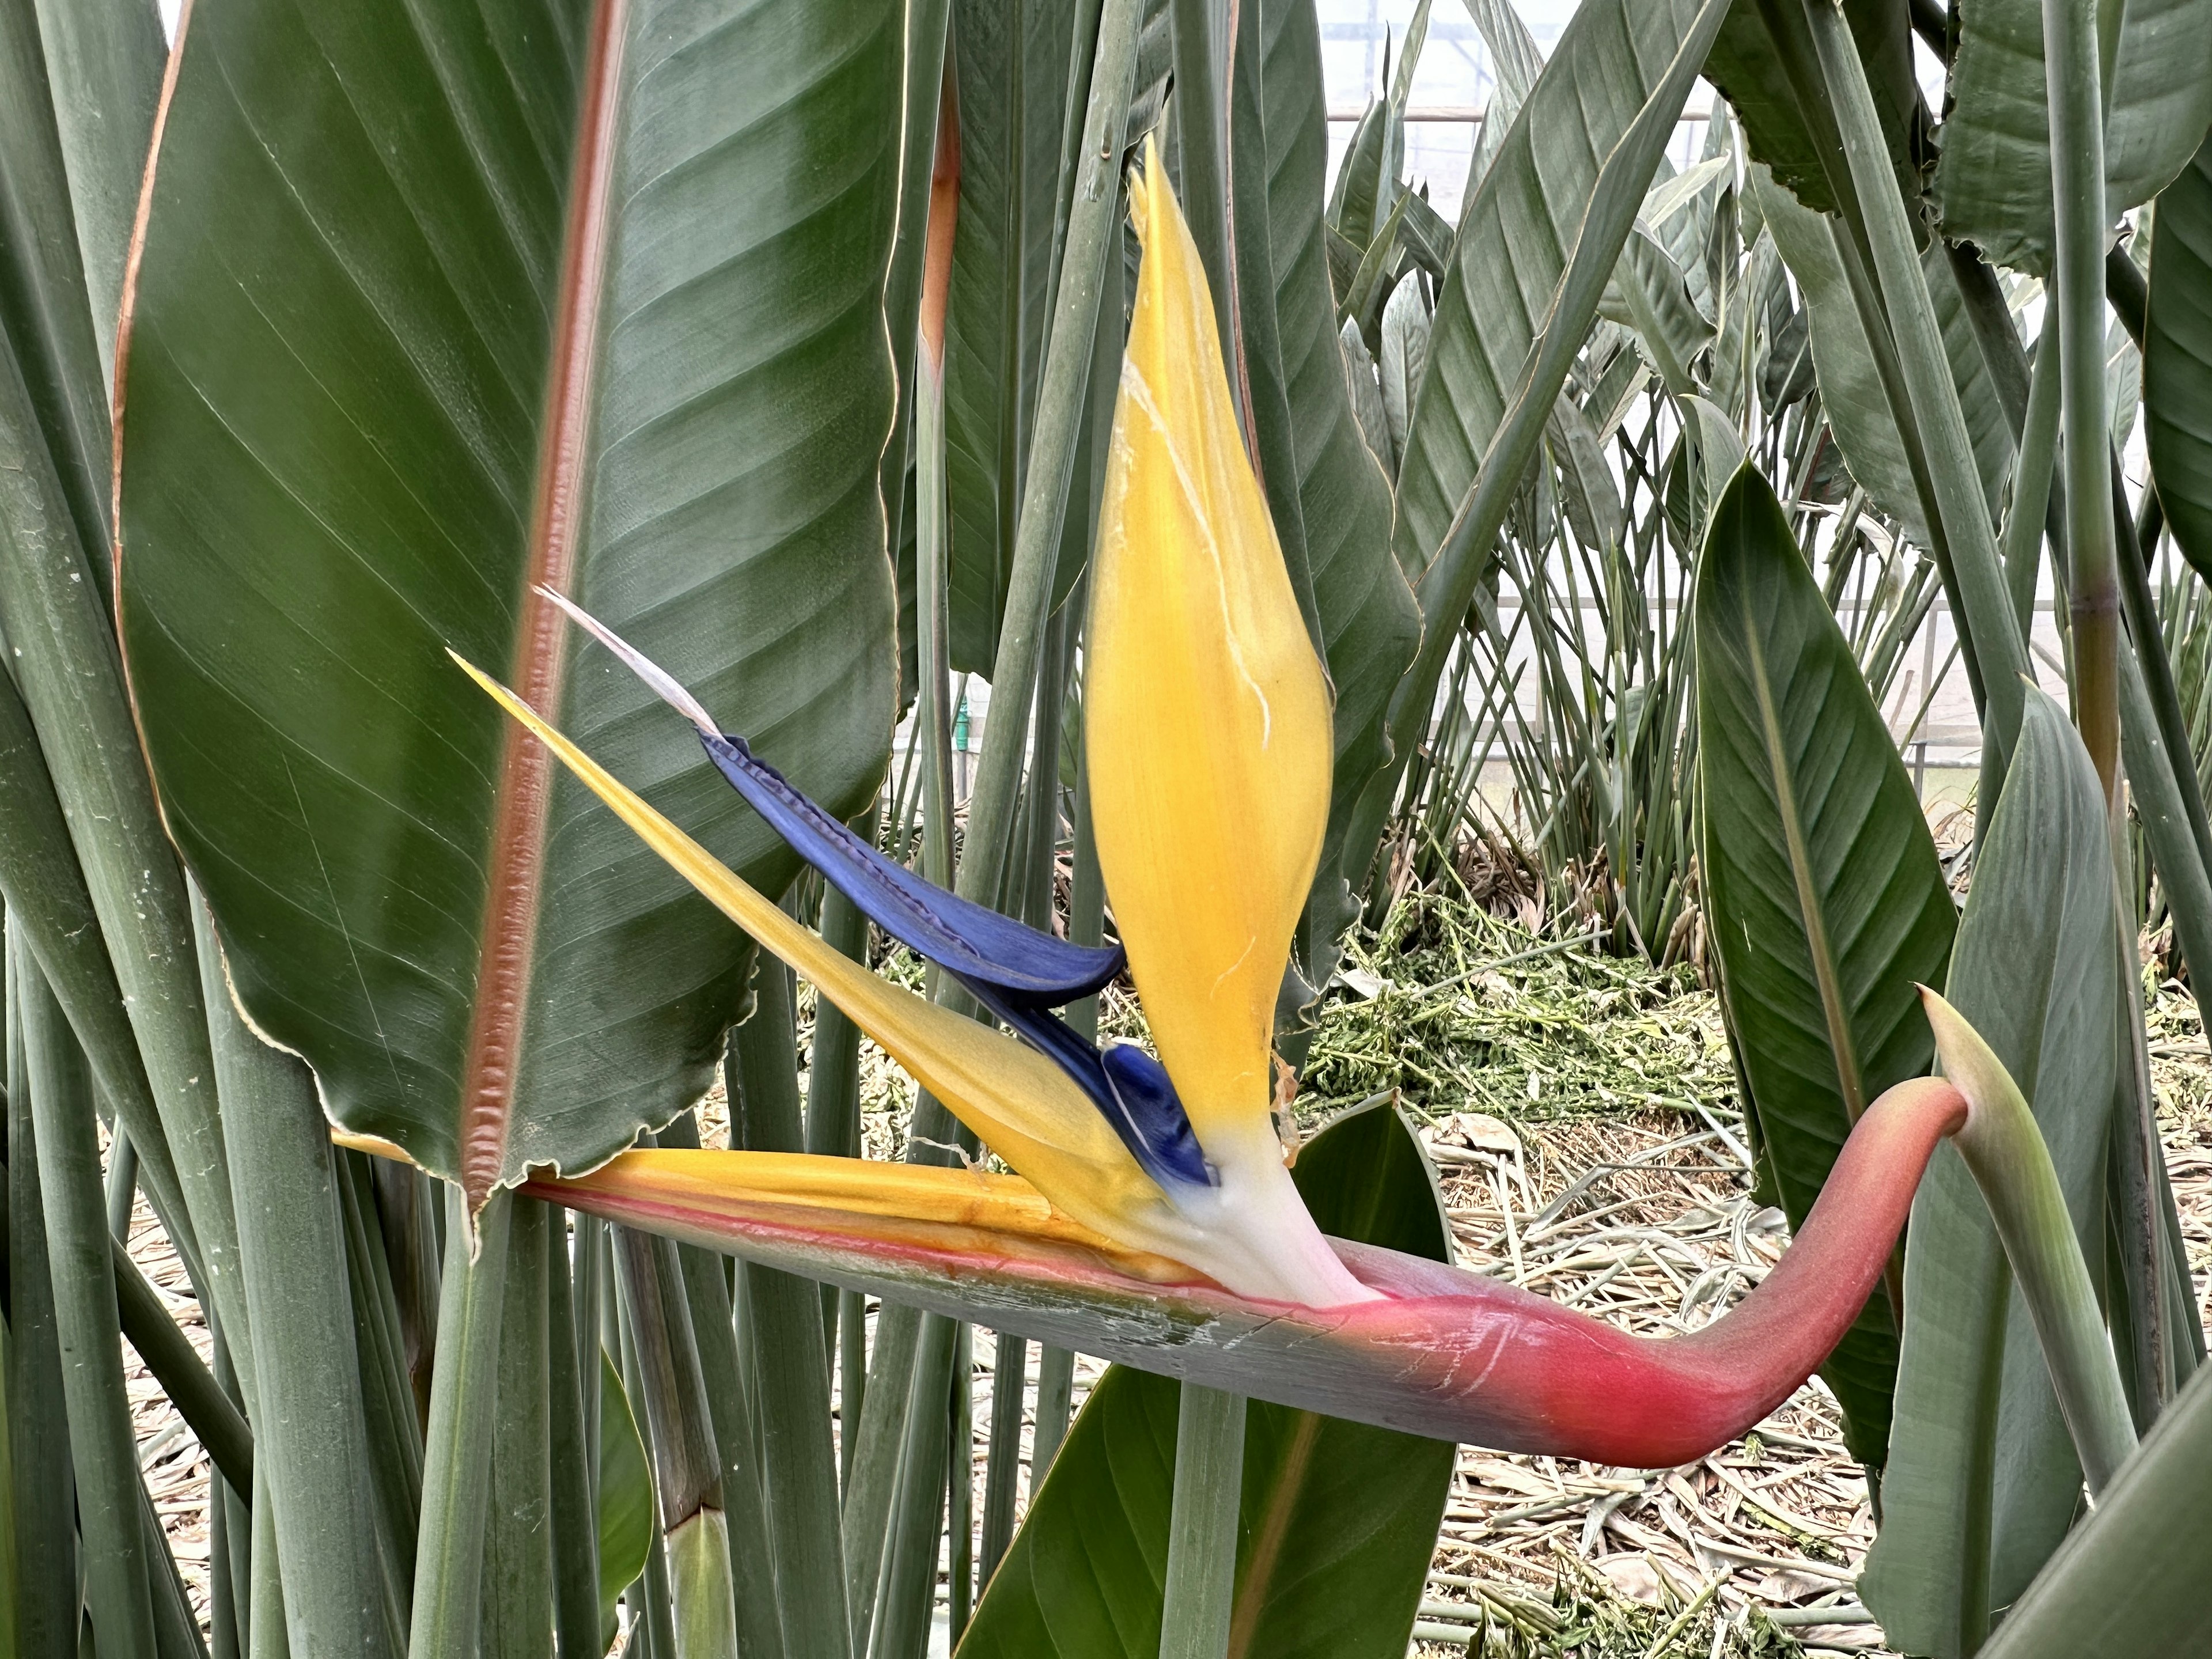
<point x="1824" y="898"/>
<point x="2177" y="375"/>
<point x="1859" y="411"/>
<point x="1982" y="1482"/>
<point x="1993" y="178"/>
<point x="1764" y="66"/>
<point x="1515" y="60"/>
<point x="1369" y="621"/>
<point x="1339" y="1519"/>
<point x="1650" y="294"/>
<point x="625" y="1519"/>
<point x="435" y="309"/>
<point x="1009" y="61"/>
<point x="1514" y="239"/>
<point x="2129" y="1582"/>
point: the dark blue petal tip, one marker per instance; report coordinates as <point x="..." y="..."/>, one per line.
<point x="977" y="944"/>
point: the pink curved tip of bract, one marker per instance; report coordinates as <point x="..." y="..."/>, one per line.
<point x="1444" y="1352"/>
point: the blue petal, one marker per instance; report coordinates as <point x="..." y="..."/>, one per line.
<point x="978" y="945"/>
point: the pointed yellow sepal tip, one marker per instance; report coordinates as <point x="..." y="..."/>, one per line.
<point x="1207" y="713"/>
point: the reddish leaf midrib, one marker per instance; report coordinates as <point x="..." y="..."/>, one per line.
<point x="525" y="789"/>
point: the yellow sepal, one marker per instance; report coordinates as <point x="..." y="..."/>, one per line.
<point x="1207" y="712"/>
<point x="1021" y="1104"/>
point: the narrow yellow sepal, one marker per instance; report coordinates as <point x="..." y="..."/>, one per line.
<point x="1024" y="1108"/>
<point x="1205" y="710"/>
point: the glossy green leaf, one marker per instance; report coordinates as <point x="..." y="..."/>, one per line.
<point x="1993" y="177"/>
<point x="2129" y="1582"/>
<point x="388" y="370"/>
<point x="1338" y="1519"/>
<point x="1369" y="622"/>
<point x="1982" y="1482"/>
<point x="1764" y="66"/>
<point x="1824" y="898"/>
<point x="625" y="1493"/>
<point x="1851" y="391"/>
<point x="1010" y="60"/>
<point x="1514" y="239"/>
<point x="2177" y="374"/>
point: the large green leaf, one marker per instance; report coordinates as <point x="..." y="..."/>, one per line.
<point x="1993" y="176"/>
<point x="1010" y="62"/>
<point x="1369" y="622"/>
<point x="1982" y="1480"/>
<point x="1859" y="411"/>
<point x="1823" y="894"/>
<point x="433" y="309"/>
<point x="2177" y="359"/>
<point x="1765" y="66"/>
<point x="1514" y="239"/>
<point x="1338" y="1519"/>
<point x="2129" y="1584"/>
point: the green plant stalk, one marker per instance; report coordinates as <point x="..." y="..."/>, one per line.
<point x="395" y="1434"/>
<point x="879" y="1439"/>
<point x="233" y="1568"/>
<point x="337" y="1596"/>
<point x="1447" y="588"/>
<point x="456" y="1456"/>
<point x="42" y="1499"/>
<point x="925" y="80"/>
<point x="1209" y="1486"/>
<point x="960" y="1485"/>
<point x="266" y="1634"/>
<point x="2030" y="477"/>
<point x="2004" y="1151"/>
<point x="2141" y="608"/>
<point x="78" y="1255"/>
<point x="730" y="1415"/>
<point x="833" y="1061"/>
<point x="173" y="1362"/>
<point x="47" y="899"/>
<point x="799" y="1480"/>
<point x="176" y="1630"/>
<point x="851" y="1389"/>
<point x="2080" y="222"/>
<point x="901" y="1629"/>
<point x="122" y="1183"/>
<point x="1002" y="1480"/>
<point x="653" y="1617"/>
<point x="1055" y="1401"/>
<point x="72" y="679"/>
<point x="574" y="1452"/>
<point x="1999" y="646"/>
<point x="1094" y="233"/>
<point x="1201" y="35"/>
<point x="517" y="1567"/>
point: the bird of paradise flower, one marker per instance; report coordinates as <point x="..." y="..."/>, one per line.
<point x="1151" y="1218"/>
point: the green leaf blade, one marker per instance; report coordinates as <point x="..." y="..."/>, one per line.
<point x="1826" y="898"/>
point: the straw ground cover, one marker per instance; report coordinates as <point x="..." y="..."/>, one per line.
<point x="1580" y="1111"/>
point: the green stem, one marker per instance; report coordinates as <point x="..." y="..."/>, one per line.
<point x="575" y="1455"/>
<point x="517" y="1567"/>
<point x="706" y="1615"/>
<point x="72" y="679"/>
<point x="960" y="1484"/>
<point x="1200" y="29"/>
<point x="1094" y="231"/>
<point x="2031" y="478"/>
<point x="1055" y="1398"/>
<point x="1934" y="397"/>
<point x="42" y="1499"/>
<point x="799" y="1480"/>
<point x="1002" y="1478"/>
<point x="2077" y="182"/>
<point x="296" y="1290"/>
<point x="457" y="1458"/>
<point x="917" y="1518"/>
<point x="1209" y="1487"/>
